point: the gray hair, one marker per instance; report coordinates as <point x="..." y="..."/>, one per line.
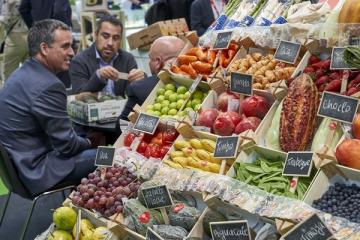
<point x="43" y="32"/>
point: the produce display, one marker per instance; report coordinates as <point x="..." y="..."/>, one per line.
<point x="224" y="122"/>
<point x="352" y="56"/>
<point x="203" y="61"/>
<point x="266" y="174"/>
<point x="195" y="154"/>
<point x="170" y="101"/>
<point x="93" y="98"/>
<point x="104" y="190"/>
<point x="341" y="200"/>
<point x="182" y="216"/>
<point x="265" y="69"/>
<point x="64" y="219"/>
<point x="156" y="145"/>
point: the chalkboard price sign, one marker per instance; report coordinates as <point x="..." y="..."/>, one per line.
<point x="223" y="40"/>
<point x="230" y="230"/>
<point x="146" y="123"/>
<point x="298" y="164"/>
<point x="338" y="107"/>
<point x="152" y="235"/>
<point x="226" y="147"/>
<point x="105" y="156"/>
<point x="287" y="52"/>
<point x="157" y="197"/>
<point x="337" y="59"/>
<point x="310" y="229"/>
<point x="241" y="83"/>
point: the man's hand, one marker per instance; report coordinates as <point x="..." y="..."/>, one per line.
<point x="96" y="139"/>
<point x="136" y="74"/>
<point x="108" y="72"/>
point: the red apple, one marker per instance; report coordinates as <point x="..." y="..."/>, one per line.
<point x="356" y="126"/>
<point x="348" y="153"/>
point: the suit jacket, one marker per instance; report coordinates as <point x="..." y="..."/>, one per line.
<point x="36" y="10"/>
<point x="202" y="16"/>
<point x="137" y="92"/>
<point x="35" y="128"/>
<point x="83" y="71"/>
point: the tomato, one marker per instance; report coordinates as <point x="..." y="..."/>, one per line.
<point x="169" y="135"/>
<point x="156" y="140"/>
<point x="129" y="138"/>
<point x="163" y="150"/>
<point x="144" y="218"/>
<point x="155" y="151"/>
<point x="142" y="147"/>
<point x="147" y="151"/>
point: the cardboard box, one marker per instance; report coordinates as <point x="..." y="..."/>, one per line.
<point x="91" y="112"/>
<point x="176" y="27"/>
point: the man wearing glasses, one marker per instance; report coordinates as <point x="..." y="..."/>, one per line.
<point x="97" y="68"/>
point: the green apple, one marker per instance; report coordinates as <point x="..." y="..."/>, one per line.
<point x="181" y="113"/>
<point x="195" y="102"/>
<point x="157" y="113"/>
<point x="168" y="93"/>
<point x="179" y="103"/>
<point x="180" y="96"/>
<point x="151" y="112"/>
<point x="170" y="86"/>
<point x="164" y="110"/>
<point x="188" y="109"/>
<point x="173" y="105"/>
<point x="157" y="107"/>
<point x="165" y="103"/>
<point x="181" y="90"/>
<point x="187" y="94"/>
<point x="172" y="112"/>
<point x="197" y="107"/>
<point x="173" y="97"/>
<point x="149" y="107"/>
<point x="160" y="91"/>
<point x="160" y="98"/>
<point x="188" y="104"/>
<point x="198" y="95"/>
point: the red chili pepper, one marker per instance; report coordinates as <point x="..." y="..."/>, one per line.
<point x="178" y="207"/>
<point x="144" y="218"/>
<point x="309" y="70"/>
<point x="314" y="59"/>
<point x="334" y="86"/>
<point x="321" y="81"/>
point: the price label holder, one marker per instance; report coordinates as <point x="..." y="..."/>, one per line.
<point x="241" y="83"/>
<point x="78" y="226"/>
<point x="152" y="235"/>
<point x="298" y="164"/>
<point x="337" y="59"/>
<point x="226" y="147"/>
<point x="201" y="129"/>
<point x="230" y="230"/>
<point x="287" y="52"/>
<point x="223" y="40"/>
<point x="338" y="107"/>
<point x="158" y="198"/>
<point x="146" y="123"/>
<point x="124" y="125"/>
<point x="311" y="228"/>
<point x="195" y="84"/>
<point x="105" y="156"/>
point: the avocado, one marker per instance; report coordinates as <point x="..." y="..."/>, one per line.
<point x="211" y="216"/>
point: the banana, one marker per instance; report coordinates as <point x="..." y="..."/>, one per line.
<point x="196" y="143"/>
<point x="180" y="144"/>
<point x="208" y="145"/>
<point x="202" y="154"/>
<point x="183" y="161"/>
<point x="172" y="164"/>
<point x="175" y="154"/>
<point x="188" y="151"/>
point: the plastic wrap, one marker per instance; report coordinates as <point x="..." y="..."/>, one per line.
<point x="251" y="198"/>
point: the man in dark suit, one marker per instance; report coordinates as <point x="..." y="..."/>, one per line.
<point x="162" y="51"/>
<point x="34" y="126"/>
<point x="204" y="13"/>
<point x="97" y="68"/>
<point x="35" y="10"/>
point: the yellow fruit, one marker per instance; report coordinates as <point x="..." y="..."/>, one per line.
<point x="180" y="144"/>
<point x="60" y="235"/>
<point x="175" y="154"/>
<point x="183" y="161"/>
<point x="188" y="151"/>
<point x="195" y="143"/>
<point x="208" y="145"/>
<point x="172" y="164"/>
<point x="204" y="165"/>
<point x="101" y="233"/>
<point x="214" y="160"/>
<point x="202" y="154"/>
<point x="215" y="168"/>
<point x="64" y="218"/>
<point x="193" y="163"/>
<point x="86" y="230"/>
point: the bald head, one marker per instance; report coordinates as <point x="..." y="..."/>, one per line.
<point x="163" y="50"/>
